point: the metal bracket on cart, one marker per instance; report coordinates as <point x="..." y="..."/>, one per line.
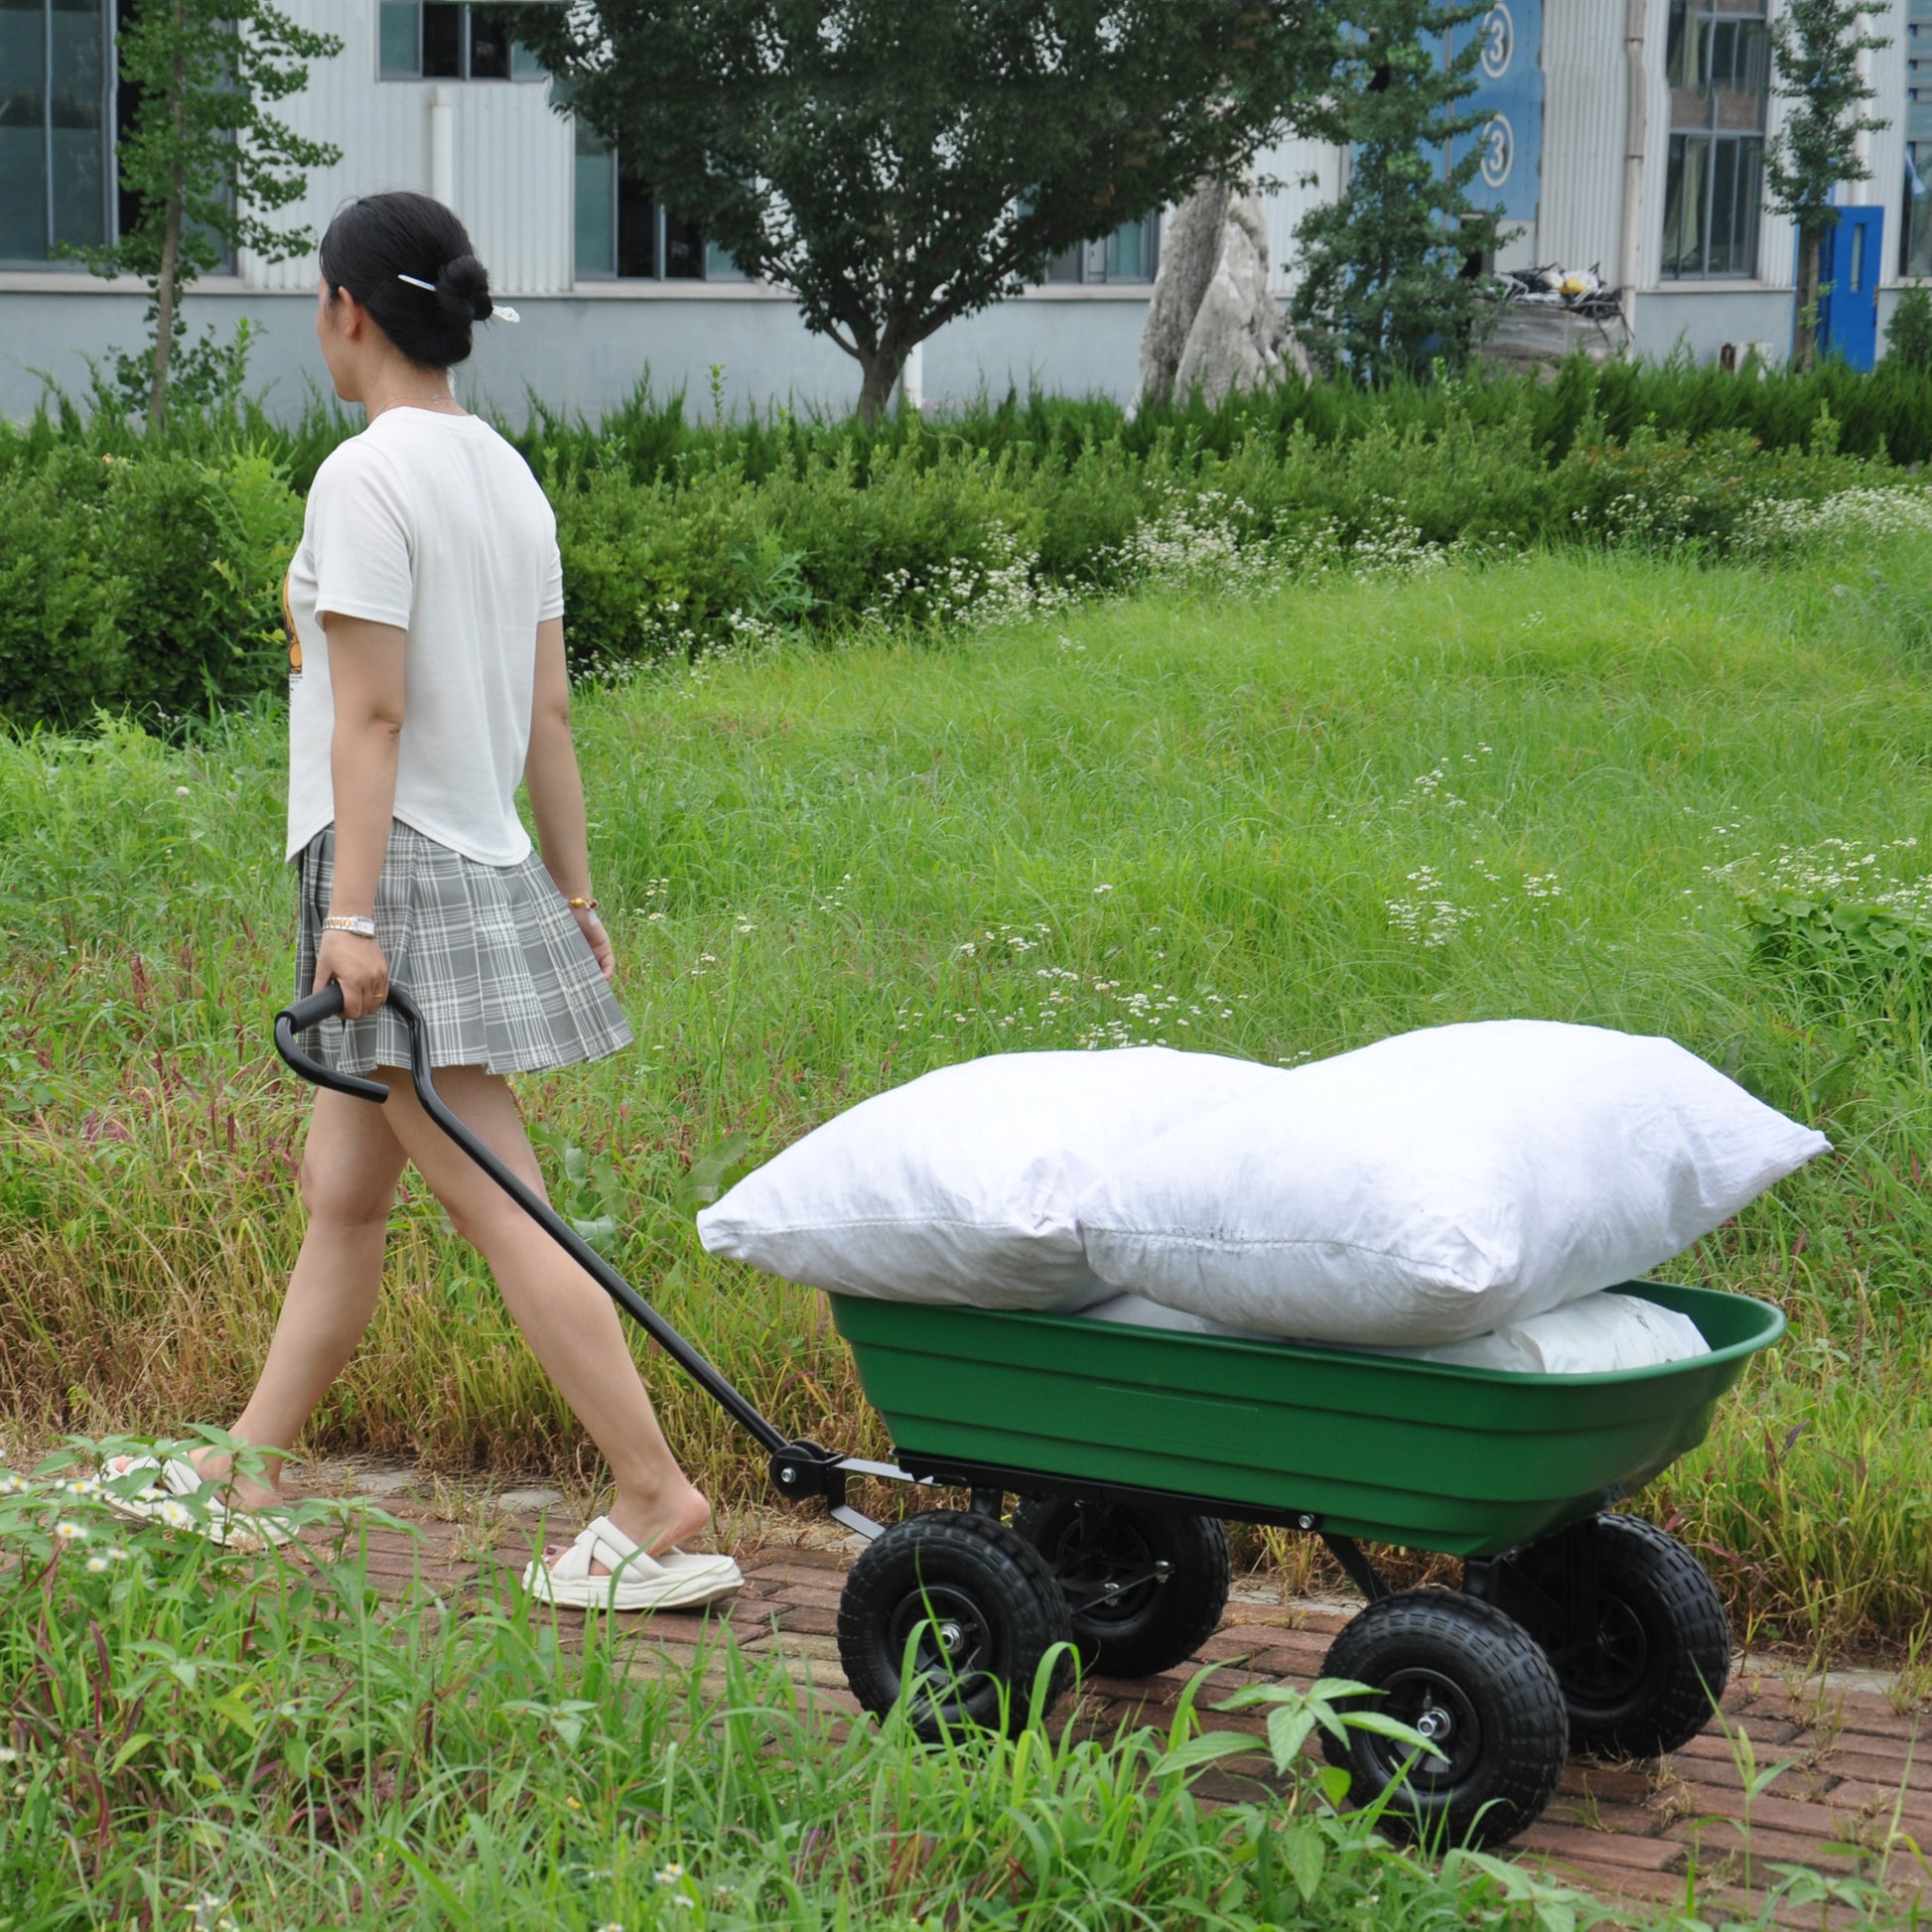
<point x="803" y="1470"/>
<point x="1361" y="1573"/>
<point x="1550" y="1585"/>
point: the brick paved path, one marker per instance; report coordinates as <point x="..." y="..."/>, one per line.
<point x="1860" y="1777"/>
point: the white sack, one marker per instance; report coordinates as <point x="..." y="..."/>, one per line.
<point x="961" y="1185"/>
<point x="1594" y="1335"/>
<point x="1588" y="1337"/>
<point x="1439" y="1185"/>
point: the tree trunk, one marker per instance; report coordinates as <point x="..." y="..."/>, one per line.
<point x="1804" y="347"/>
<point x="165" y="279"/>
<point x="881" y="379"/>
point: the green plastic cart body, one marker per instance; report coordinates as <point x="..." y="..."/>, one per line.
<point x="1467" y="1461"/>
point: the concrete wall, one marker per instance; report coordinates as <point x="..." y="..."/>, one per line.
<point x="586" y="352"/>
<point x="1701" y="315"/>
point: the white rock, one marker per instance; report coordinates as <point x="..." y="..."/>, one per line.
<point x="1211" y="322"/>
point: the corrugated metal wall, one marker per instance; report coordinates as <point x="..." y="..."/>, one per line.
<point x="1777" y="239"/>
<point x="512" y="156"/>
<point x="1580" y="218"/>
<point x="1886" y="151"/>
<point x="1311" y="173"/>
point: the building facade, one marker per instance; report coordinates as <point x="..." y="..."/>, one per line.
<point x="1622" y="135"/>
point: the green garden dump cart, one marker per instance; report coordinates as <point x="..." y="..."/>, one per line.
<point x="1127" y="1449"/>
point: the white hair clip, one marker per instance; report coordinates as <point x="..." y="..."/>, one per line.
<point x="500" y="311"/>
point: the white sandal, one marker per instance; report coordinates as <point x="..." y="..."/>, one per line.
<point x="175" y="1477"/>
<point x="675" y="1580"/>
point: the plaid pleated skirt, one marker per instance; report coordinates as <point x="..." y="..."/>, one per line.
<point x="491" y="955"/>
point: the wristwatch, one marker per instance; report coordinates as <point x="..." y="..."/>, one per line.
<point x="359" y="923"/>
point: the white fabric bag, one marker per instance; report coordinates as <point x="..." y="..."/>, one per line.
<point x="1594" y="1335"/>
<point x="1439" y="1185"/>
<point x="961" y="1185"/>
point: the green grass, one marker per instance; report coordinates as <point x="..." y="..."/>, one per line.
<point x="240" y="1743"/>
<point x="1170" y="817"/>
<point x="227" y="1742"/>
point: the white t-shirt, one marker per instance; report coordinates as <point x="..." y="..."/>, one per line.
<point x="433" y="523"/>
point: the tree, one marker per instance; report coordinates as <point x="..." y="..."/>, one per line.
<point x="202" y="158"/>
<point x="1385" y="287"/>
<point x="1908" y="341"/>
<point x="898" y="165"/>
<point x="1815" y="47"/>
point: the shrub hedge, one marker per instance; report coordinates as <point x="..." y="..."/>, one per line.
<point x="146" y="576"/>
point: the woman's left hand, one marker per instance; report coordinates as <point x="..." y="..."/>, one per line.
<point x="592" y="927"/>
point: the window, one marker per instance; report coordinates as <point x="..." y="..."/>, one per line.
<point x="1126" y="255"/>
<point x="56" y="126"/>
<point x="1718" y="63"/>
<point x="1915" y="231"/>
<point x="625" y="232"/>
<point x="449" y="40"/>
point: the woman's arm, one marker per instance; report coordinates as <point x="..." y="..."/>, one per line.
<point x="556" y="788"/>
<point x="365" y="674"/>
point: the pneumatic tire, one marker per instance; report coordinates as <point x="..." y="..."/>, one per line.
<point x="1648" y="1678"/>
<point x="1475" y="1683"/>
<point x="980" y="1610"/>
<point x="1157" y="1619"/>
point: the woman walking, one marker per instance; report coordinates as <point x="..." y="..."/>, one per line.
<point x="427" y="677"/>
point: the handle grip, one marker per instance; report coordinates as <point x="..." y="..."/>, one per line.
<point x="311" y="1012"/>
<point x="316" y="1007"/>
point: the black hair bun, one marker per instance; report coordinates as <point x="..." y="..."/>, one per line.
<point x="462" y="287"/>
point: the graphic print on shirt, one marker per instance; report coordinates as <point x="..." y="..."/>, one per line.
<point x="288" y="625"/>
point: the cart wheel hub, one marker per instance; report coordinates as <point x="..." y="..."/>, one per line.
<point x="951" y="1637"/>
<point x="1435" y="1724"/>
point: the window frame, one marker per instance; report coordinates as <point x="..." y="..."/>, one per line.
<point x="1915" y="214"/>
<point x="49" y="261"/>
<point x="466" y="44"/>
<point x="708" y="251"/>
<point x="1735" y="153"/>
<point x="1088" y="260"/>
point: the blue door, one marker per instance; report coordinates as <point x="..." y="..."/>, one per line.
<point x="1849" y="265"/>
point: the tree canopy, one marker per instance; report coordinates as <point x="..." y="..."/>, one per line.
<point x="1384" y="288"/>
<point x="898" y="166"/>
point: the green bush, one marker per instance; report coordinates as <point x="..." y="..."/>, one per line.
<point x="143" y="576"/>
<point x="1908" y="337"/>
<point x="148" y="583"/>
<point x="65" y="619"/>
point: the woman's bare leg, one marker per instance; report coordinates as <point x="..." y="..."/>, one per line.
<point x="350" y="1163"/>
<point x="569" y="1321"/>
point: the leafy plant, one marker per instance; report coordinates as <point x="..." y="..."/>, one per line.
<point x="588" y="1192"/>
<point x="204" y="160"/>
<point x="1908" y="336"/>
<point x="1869" y="962"/>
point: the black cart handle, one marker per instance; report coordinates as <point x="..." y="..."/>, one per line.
<point x="309" y="1012"/>
<point x="324" y="1005"/>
